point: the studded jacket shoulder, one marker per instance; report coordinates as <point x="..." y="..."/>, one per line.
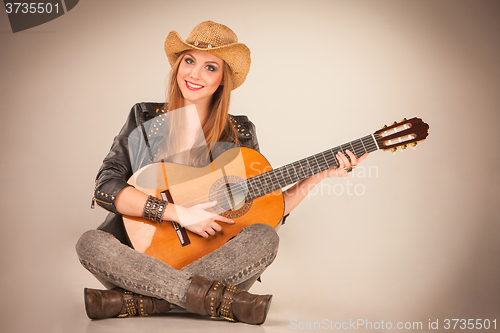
<point x="119" y="165"/>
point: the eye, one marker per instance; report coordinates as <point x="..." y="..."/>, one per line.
<point x="210" y="68"/>
<point x="189" y="61"/>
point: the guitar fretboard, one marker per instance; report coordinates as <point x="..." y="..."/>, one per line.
<point x="289" y="174"/>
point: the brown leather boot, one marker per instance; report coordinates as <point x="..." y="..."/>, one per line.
<point x="121" y="303"/>
<point x="217" y="300"/>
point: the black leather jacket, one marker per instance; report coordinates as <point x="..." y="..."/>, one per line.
<point x="119" y="165"/>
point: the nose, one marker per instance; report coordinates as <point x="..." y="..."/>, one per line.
<point x="195" y="73"/>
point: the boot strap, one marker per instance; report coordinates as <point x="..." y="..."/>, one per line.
<point x="225" y="310"/>
<point x="214" y="298"/>
<point x="141" y="307"/>
<point x="129" y="308"/>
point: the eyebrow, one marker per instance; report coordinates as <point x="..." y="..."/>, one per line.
<point x="206" y="62"/>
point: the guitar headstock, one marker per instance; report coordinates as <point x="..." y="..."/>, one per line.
<point x="406" y="132"/>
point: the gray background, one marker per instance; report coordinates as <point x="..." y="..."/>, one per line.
<point x="418" y="241"/>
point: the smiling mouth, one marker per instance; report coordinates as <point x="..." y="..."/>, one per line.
<point x="192" y="86"/>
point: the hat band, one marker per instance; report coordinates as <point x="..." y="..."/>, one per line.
<point x="203" y="45"/>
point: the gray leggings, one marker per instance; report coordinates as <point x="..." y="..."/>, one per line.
<point x="239" y="262"/>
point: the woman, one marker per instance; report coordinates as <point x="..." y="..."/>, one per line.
<point x="205" y="68"/>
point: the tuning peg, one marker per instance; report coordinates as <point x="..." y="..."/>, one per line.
<point x="404" y="147"/>
<point x="404" y="119"/>
<point x="394" y="123"/>
<point x="413" y="144"/>
<point x="394" y="149"/>
<point x="385" y="126"/>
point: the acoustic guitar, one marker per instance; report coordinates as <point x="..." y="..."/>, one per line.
<point x="246" y="188"/>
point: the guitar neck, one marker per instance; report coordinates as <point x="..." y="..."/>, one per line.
<point x="291" y="173"/>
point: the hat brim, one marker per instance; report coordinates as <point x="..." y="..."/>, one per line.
<point x="236" y="55"/>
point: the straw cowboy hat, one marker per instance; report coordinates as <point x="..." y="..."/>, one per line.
<point x="216" y="39"/>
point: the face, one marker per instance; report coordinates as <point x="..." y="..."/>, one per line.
<point x="199" y="76"/>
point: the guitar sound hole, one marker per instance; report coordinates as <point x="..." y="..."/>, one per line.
<point x="231" y="197"/>
<point x="230" y="193"/>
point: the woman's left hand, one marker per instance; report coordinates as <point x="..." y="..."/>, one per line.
<point x="345" y="166"/>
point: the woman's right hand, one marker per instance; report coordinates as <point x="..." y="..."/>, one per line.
<point x="200" y="221"/>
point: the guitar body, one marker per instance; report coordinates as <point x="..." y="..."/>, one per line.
<point x="187" y="186"/>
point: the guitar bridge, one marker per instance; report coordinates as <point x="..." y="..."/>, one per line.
<point x="180" y="231"/>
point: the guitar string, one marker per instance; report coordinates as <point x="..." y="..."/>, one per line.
<point x="330" y="162"/>
<point x="359" y="148"/>
<point x="327" y="164"/>
<point x="373" y="144"/>
<point x="271" y="185"/>
<point x="299" y="175"/>
<point x="277" y="185"/>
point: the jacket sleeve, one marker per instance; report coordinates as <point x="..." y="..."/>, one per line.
<point x="116" y="168"/>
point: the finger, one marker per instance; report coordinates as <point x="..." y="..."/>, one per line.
<point x="210" y="231"/>
<point x="223" y="219"/>
<point x="201" y="232"/>
<point x="341" y="172"/>
<point x="340" y="160"/>
<point x="345" y="159"/>
<point x="343" y="165"/>
<point x="352" y="157"/>
<point x="216" y="227"/>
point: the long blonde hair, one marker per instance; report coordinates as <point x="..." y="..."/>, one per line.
<point x="218" y="126"/>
